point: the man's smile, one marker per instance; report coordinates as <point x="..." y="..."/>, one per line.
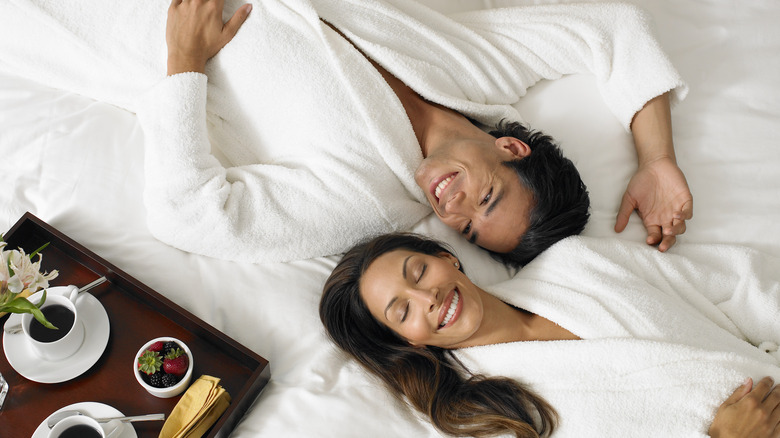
<point x="440" y="184"/>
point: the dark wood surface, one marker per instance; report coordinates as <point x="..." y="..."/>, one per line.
<point x="136" y="314"/>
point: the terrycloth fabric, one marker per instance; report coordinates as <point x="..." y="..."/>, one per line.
<point x="299" y="148"/>
<point x="480" y="62"/>
<point x="666" y="337"/>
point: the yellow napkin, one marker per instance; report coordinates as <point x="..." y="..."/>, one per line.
<point x="198" y="409"/>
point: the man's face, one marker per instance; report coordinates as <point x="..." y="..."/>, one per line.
<point x="473" y="193"/>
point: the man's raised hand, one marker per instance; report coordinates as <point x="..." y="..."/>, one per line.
<point x="195" y="32"/>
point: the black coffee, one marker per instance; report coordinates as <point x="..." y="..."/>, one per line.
<point x="80" y="431"/>
<point x="60" y="316"/>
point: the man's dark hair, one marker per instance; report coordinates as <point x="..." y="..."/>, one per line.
<point x="561" y="199"/>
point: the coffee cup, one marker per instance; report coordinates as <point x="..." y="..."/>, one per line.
<point x="77" y="426"/>
<point x="51" y="344"/>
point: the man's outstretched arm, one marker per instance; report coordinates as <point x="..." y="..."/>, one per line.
<point x="658" y="190"/>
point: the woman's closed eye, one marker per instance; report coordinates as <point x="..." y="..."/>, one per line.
<point x="422" y="272"/>
<point x="419" y="277"/>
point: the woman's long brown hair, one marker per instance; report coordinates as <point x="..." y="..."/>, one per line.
<point x="431" y="379"/>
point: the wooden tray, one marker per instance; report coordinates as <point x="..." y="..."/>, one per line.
<point x="136" y="314"/>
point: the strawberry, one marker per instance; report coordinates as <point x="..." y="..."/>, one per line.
<point x="176" y="362"/>
<point x="157" y="346"/>
<point x="149" y="362"/>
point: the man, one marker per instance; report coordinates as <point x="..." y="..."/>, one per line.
<point x="471" y="178"/>
<point x="466" y="174"/>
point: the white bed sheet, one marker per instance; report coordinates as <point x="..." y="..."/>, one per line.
<point x="77" y="164"/>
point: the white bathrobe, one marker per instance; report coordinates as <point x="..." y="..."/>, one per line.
<point x="295" y="146"/>
<point x="666" y="337"/>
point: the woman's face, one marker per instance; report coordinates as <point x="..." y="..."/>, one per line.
<point x="423" y="298"/>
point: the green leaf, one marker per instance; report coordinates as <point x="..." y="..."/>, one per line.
<point x="150" y="362"/>
<point x="23" y="305"/>
<point x="37" y="314"/>
<point x="20" y="305"/>
<point x="34" y="253"/>
<point x="43" y="300"/>
<point x="6" y="297"/>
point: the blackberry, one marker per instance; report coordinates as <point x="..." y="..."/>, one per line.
<point x="156" y="379"/>
<point x="168" y="346"/>
<point x="169" y="380"/>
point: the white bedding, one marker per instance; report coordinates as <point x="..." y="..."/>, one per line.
<point x="666" y="337"/>
<point x="78" y="164"/>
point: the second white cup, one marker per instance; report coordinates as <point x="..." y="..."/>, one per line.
<point x="77" y="426"/>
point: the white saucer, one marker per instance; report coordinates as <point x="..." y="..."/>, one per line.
<point x="94" y="410"/>
<point x="23" y="359"/>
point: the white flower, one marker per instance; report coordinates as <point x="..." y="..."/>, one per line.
<point x="4" y="274"/>
<point x="18" y="272"/>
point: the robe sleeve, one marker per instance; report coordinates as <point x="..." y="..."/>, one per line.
<point x="613" y="42"/>
<point x="264" y="212"/>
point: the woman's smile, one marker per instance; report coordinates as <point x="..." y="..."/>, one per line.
<point x="450" y="309"/>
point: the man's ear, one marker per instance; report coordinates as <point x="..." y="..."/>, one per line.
<point x="513" y="147"/>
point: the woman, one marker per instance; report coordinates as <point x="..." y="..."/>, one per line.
<point x="401" y="305"/>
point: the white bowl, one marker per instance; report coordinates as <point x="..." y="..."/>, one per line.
<point x="171" y="391"/>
